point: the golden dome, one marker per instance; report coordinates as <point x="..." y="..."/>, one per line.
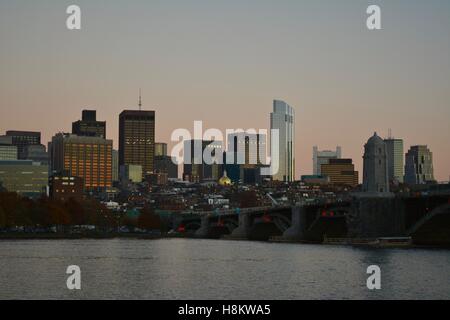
<point x="225" y="181"/>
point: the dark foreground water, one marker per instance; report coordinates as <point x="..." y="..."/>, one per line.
<point x="204" y="269"/>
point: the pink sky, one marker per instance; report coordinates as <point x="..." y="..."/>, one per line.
<point x="224" y="63"/>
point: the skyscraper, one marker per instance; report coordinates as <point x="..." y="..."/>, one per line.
<point x="21" y="139"/>
<point x="160" y="149"/>
<point x="196" y="168"/>
<point x="89" y="158"/>
<point x="163" y="162"/>
<point x="89" y="126"/>
<point x="249" y="149"/>
<point x="283" y="119"/>
<point x="137" y="139"/>
<point x="115" y="166"/>
<point x="375" y="176"/>
<point x="419" y="165"/>
<point x="323" y="157"/>
<point x="395" y="154"/>
<point x="248" y="153"/>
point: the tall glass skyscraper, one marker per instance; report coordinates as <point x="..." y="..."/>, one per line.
<point x="395" y="159"/>
<point x="282" y="118"/>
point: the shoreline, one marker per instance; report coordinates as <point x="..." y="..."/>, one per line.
<point x="138" y="236"/>
<point x="58" y="236"/>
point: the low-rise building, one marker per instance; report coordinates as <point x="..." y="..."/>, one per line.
<point x="131" y="172"/>
<point x="315" y="179"/>
<point x="24" y="177"/>
<point x="340" y="172"/>
<point x="8" y="152"/>
<point x="64" y="187"/>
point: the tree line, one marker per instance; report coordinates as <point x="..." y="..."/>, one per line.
<point x="18" y="211"/>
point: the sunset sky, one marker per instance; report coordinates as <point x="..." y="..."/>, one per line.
<point x="224" y="61"/>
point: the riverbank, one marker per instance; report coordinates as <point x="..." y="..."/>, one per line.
<point x="76" y="236"/>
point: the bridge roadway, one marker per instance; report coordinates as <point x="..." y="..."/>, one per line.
<point x="363" y="217"/>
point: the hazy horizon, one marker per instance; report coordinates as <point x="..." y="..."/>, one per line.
<point x="224" y="62"/>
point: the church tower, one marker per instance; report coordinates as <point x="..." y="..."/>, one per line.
<point x="375" y="177"/>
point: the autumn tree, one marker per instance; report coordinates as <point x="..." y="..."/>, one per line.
<point x="76" y="212"/>
<point x="148" y="220"/>
<point x="9" y="201"/>
<point x="57" y="215"/>
<point x="2" y="218"/>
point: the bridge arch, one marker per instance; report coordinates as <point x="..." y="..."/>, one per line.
<point x="442" y="209"/>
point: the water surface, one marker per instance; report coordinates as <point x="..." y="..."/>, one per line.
<point x="211" y="269"/>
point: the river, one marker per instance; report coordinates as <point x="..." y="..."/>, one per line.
<point x="217" y="269"/>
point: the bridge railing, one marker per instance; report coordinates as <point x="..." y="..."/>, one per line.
<point x="232" y="211"/>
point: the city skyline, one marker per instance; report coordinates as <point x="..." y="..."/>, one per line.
<point x="331" y="154"/>
<point x="344" y="86"/>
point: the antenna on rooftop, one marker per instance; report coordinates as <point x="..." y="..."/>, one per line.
<point x="140" y="100"/>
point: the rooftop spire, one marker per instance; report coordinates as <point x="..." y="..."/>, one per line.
<point x="140" y="100"/>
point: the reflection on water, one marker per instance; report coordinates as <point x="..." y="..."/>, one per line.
<point x="207" y="269"/>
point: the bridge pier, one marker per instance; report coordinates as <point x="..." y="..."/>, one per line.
<point x="297" y="230"/>
<point x="242" y="232"/>
<point x="203" y="231"/>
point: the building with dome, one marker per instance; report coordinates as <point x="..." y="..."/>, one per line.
<point x="225" y="181"/>
<point x="375" y="171"/>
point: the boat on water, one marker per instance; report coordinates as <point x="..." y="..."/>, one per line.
<point x="382" y="242"/>
<point x="389" y="242"/>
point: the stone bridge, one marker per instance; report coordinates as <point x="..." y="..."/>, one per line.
<point x="288" y="223"/>
<point x="364" y="217"/>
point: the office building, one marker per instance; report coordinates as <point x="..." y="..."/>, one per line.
<point x="419" y="165"/>
<point x="21" y="139"/>
<point x="375" y="175"/>
<point x="115" y="166"/>
<point x="160" y="149"/>
<point x="89" y="126"/>
<point x="157" y="179"/>
<point x="196" y="167"/>
<point x="6" y="140"/>
<point x="249" y="149"/>
<point x="86" y="157"/>
<point x="394" y="148"/>
<point x="323" y="157"/>
<point x="248" y="152"/>
<point x="37" y="153"/>
<point x="137" y="139"/>
<point x="64" y="187"/>
<point x="8" y="152"/>
<point x="24" y="177"/>
<point x="340" y="172"/>
<point x="315" y="179"/>
<point x="233" y="170"/>
<point x="164" y="164"/>
<point x="131" y="173"/>
<point x="283" y="119"/>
